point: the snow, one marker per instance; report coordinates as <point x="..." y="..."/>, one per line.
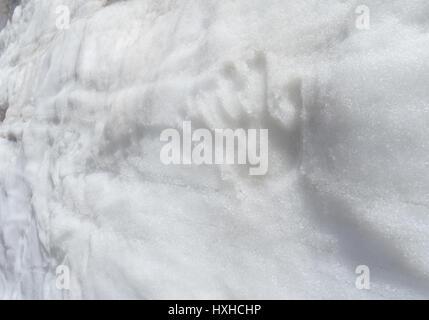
<point x="81" y="183"/>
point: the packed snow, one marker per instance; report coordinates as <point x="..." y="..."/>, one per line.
<point x="82" y="106"/>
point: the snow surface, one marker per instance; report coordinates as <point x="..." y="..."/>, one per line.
<point x="81" y="183"/>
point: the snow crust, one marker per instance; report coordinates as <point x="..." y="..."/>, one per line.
<point x="81" y="183"/>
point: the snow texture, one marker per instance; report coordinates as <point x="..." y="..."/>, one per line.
<point x="82" y="185"/>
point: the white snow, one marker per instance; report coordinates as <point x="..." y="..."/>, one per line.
<point x="82" y="185"/>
